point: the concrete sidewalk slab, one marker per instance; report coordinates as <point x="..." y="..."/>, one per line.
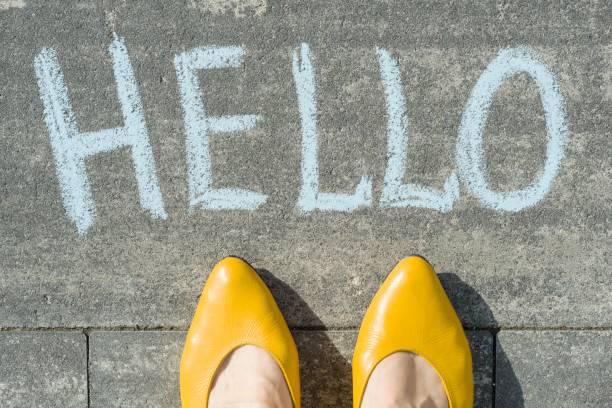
<point x="563" y="369"/>
<point x="43" y="369"/>
<point x="135" y="369"/>
<point x="546" y="266"/>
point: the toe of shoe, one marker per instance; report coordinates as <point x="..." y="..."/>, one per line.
<point x="411" y="312"/>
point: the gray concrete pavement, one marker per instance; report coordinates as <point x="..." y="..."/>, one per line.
<point x="524" y="265"/>
<point x="135" y="369"/>
<point x="43" y="369"/>
<point x="553" y="368"/>
<point x="544" y="267"/>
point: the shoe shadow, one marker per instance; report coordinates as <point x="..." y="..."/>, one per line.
<point x="474" y="312"/>
<point x="325" y="371"/>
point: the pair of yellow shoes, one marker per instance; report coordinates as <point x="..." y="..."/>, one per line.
<point x="409" y="313"/>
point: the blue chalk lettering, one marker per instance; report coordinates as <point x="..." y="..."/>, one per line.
<point x="198" y="126"/>
<point x="395" y="193"/>
<point x="71" y="148"/>
<point x="310" y="198"/>
<point x="470" y="153"/>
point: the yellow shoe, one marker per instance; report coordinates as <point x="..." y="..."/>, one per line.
<point x="235" y="309"/>
<point x="411" y="313"/>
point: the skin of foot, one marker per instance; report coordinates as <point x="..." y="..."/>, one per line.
<point x="404" y="380"/>
<point x="249" y="378"/>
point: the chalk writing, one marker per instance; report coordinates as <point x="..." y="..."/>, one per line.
<point x="71" y="147"/>
<point x="470" y="154"/>
<point x="198" y="126"/>
<point x="310" y="198"/>
<point x="395" y="193"/>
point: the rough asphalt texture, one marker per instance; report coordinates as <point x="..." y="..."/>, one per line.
<point x="105" y="312"/>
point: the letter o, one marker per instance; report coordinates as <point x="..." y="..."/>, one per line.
<point x="470" y="152"/>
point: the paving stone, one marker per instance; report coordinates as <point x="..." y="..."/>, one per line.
<point x="43" y="369"/>
<point x="325" y="366"/>
<point x="135" y="369"/>
<point x="553" y="369"/>
<point x="481" y="343"/>
<point x="140" y="369"/>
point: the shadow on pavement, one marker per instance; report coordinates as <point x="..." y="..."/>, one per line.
<point x="325" y="372"/>
<point x="472" y="308"/>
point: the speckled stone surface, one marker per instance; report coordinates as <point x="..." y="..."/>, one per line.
<point x="43" y="370"/>
<point x="135" y="369"/>
<point x="553" y="369"/>
<point x="545" y="267"/>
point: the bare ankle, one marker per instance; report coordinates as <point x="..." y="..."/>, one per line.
<point x="248" y="405"/>
<point x="249" y="378"/>
<point x="404" y="380"/>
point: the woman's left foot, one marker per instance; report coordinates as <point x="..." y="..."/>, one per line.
<point x="249" y="377"/>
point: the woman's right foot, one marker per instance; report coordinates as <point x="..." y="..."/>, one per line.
<point x="404" y="380"/>
<point x="411" y="347"/>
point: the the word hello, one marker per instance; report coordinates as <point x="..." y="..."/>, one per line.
<point x="71" y="147"/>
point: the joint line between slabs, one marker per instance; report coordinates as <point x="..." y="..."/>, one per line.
<point x="90" y="329"/>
